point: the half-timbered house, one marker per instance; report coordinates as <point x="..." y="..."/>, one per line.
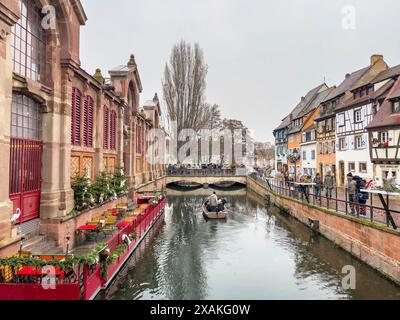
<point x="384" y="129"/>
<point x="353" y="115"/>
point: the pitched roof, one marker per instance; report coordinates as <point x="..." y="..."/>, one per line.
<point x="381" y="92"/>
<point x="316" y="102"/>
<point x="307" y="100"/>
<point x="387" y="74"/>
<point x="285" y="123"/>
<point x="385" y="117"/>
<point x="348" y="83"/>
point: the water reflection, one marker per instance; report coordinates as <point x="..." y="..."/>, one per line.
<point x="256" y="254"/>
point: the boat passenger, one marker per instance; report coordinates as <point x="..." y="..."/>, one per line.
<point x="213" y="202"/>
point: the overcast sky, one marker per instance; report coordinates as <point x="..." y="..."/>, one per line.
<point x="263" y="55"/>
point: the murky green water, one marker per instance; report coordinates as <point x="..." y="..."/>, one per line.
<point x="255" y="254"/>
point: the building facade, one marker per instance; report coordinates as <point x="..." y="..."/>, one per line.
<point x="281" y="145"/>
<point x="353" y="114"/>
<point x="308" y="150"/>
<point x="299" y="117"/>
<point x="58" y="120"/>
<point x="384" y="129"/>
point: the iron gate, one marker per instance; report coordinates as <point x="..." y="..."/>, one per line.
<point x="25" y="177"/>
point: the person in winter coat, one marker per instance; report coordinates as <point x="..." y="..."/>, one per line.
<point x="329" y="184"/>
<point x="318" y="186"/>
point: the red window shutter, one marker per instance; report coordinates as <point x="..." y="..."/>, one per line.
<point x="76" y="117"/>
<point x="113" y="130"/>
<point x="88" y="122"/>
<point x="106" y="129"/>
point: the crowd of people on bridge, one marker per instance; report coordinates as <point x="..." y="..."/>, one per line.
<point x="182" y="168"/>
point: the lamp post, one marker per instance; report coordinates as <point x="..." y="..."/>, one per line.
<point x="294" y="160"/>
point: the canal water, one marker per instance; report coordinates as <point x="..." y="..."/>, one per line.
<point x="258" y="253"/>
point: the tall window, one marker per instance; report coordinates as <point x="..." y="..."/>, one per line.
<point x="110" y="129"/>
<point x="106" y="128"/>
<point x="88" y="123"/>
<point x="76" y="117"/>
<point x="342" y="144"/>
<point x="25" y="118"/>
<point x="113" y="131"/>
<point x="27" y="41"/>
<point x="357" y="116"/>
<point x="359" y="142"/>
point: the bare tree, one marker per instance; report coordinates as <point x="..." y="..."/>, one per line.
<point x="184" y="85"/>
<point x="211" y="117"/>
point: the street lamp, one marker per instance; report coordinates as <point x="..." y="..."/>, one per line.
<point x="293" y="159"/>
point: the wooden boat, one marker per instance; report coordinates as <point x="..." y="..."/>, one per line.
<point x="214" y="215"/>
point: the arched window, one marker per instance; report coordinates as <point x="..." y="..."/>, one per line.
<point x="25" y="117"/>
<point x="27" y="41"/>
<point x="76" y="117"/>
<point x="88" y="123"/>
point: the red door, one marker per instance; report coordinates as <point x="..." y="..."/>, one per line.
<point x="25" y="177"/>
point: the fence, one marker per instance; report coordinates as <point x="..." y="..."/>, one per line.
<point x="336" y="199"/>
<point x="80" y="281"/>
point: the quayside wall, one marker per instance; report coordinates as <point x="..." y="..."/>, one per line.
<point x="372" y="243"/>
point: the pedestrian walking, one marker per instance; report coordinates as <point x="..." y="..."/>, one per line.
<point x="318" y="186"/>
<point x="353" y="194"/>
<point x="329" y="183"/>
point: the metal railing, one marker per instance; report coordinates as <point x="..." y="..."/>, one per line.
<point x="183" y="172"/>
<point x="337" y="199"/>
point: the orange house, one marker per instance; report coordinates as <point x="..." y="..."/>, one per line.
<point x="298" y="118"/>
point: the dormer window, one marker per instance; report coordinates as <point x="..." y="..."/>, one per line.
<point x="396" y="106"/>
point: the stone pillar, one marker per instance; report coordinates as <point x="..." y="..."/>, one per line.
<point x="57" y="195"/>
<point x="120" y="136"/>
<point x="9" y="14"/>
<point x="129" y="150"/>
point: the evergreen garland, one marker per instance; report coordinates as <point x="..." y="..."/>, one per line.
<point x="105" y="188"/>
<point x="119" y="182"/>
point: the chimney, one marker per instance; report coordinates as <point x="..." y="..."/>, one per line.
<point x="347" y="75"/>
<point x="375" y="58"/>
<point x="303" y="99"/>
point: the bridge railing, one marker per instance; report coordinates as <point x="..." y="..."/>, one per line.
<point x="184" y="172"/>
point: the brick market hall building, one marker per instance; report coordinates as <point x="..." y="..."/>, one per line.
<point x="57" y="120"/>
